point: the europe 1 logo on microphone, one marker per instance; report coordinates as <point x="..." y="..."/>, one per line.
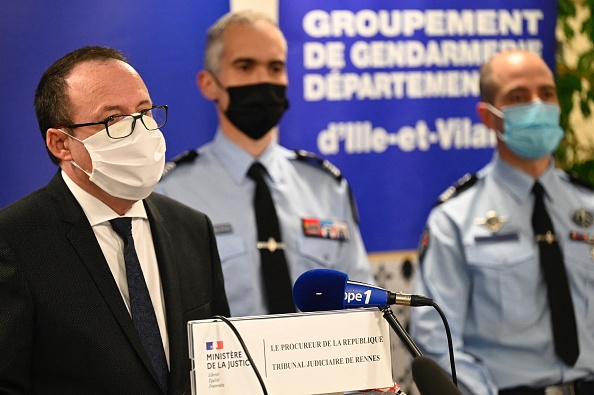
<point x="364" y="295"/>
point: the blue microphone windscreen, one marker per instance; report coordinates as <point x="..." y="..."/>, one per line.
<point x="319" y="290"/>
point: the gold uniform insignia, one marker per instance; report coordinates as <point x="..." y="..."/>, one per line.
<point x="492" y="221"/>
<point x="583" y="218"/>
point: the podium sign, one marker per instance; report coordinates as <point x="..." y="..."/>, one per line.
<point x="296" y="354"/>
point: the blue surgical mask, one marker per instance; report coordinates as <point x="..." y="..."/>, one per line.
<point x="531" y="130"/>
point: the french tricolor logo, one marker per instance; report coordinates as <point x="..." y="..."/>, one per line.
<point x="218" y="345"/>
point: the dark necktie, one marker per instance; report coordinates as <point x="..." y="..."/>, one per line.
<point x="275" y="274"/>
<point x="143" y="313"/>
<point x="551" y="262"/>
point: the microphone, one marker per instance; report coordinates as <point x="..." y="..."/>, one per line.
<point x="431" y="379"/>
<point x="327" y="289"/>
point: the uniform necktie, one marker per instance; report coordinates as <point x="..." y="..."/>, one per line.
<point x="275" y="273"/>
<point x="141" y="306"/>
<point x="551" y="262"/>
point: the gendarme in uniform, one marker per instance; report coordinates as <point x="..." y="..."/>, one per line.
<point x="313" y="202"/>
<point x="480" y="263"/>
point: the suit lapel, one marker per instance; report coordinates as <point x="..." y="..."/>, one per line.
<point x="83" y="240"/>
<point x="166" y="258"/>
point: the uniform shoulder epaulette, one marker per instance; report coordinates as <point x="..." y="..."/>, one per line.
<point x="460" y="186"/>
<point x="324" y="164"/>
<point x="574" y="179"/>
<point x="185" y="157"/>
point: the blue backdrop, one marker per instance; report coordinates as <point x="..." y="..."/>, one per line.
<point x="385" y="90"/>
<point x="164" y="41"/>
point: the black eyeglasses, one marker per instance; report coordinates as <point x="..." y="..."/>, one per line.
<point x="152" y="118"/>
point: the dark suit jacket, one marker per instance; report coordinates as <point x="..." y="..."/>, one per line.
<point x="64" y="327"/>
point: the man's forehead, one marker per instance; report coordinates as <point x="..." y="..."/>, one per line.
<point x="93" y="71"/>
<point x="519" y="63"/>
<point x="518" y="70"/>
<point x="517" y="58"/>
<point x="103" y="85"/>
<point x="238" y="39"/>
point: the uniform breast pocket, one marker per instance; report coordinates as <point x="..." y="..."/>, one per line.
<point x="581" y="255"/>
<point x="230" y="246"/>
<point x="318" y="252"/>
<point x="236" y="266"/>
<point x="580" y="267"/>
<point x="501" y="273"/>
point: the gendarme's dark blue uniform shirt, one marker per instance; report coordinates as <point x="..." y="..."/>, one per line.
<point x="216" y="183"/>
<point x="486" y="277"/>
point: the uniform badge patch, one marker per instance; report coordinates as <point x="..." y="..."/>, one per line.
<point x="492" y="221"/>
<point x="583" y="218"/>
<point x="424" y="243"/>
<point x="325" y="229"/>
<point x="221" y="229"/>
<point x="585" y="238"/>
<point x="581" y="237"/>
<point x="502" y="237"/>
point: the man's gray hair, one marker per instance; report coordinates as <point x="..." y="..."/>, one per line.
<point x="214" y="39"/>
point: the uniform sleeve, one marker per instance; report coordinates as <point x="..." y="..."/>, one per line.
<point x="16" y="323"/>
<point x="443" y="276"/>
<point x="353" y="255"/>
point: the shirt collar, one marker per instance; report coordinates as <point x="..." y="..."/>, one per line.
<point x="518" y="183"/>
<point x="237" y="161"/>
<point x="548" y="180"/>
<point x="96" y="211"/>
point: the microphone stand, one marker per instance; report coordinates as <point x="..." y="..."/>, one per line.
<point x="430" y="378"/>
<point x="401" y="332"/>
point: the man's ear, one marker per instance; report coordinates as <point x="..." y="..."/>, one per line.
<point x="486" y="115"/>
<point x="57" y="144"/>
<point x="208" y="86"/>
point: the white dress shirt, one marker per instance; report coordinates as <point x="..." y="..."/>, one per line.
<point x="112" y="246"/>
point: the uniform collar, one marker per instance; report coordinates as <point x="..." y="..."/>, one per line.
<point x="237" y="161"/>
<point x="518" y="183"/>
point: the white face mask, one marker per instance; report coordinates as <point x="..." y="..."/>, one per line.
<point x="127" y="168"/>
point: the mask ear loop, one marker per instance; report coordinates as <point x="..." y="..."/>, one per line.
<point x="72" y="136"/>
<point x="499" y="114"/>
<point x="221" y="86"/>
<point x="216" y="80"/>
<point x="495" y="111"/>
<point x="72" y="161"/>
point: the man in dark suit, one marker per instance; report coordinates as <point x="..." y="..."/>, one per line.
<point x="69" y="321"/>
